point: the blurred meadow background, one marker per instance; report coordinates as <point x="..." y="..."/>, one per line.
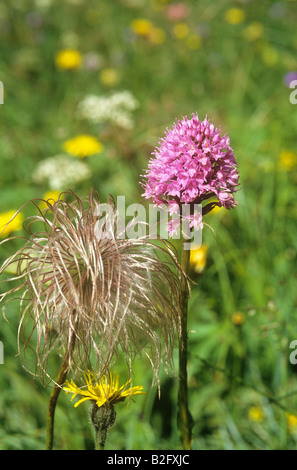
<point x="89" y="88"/>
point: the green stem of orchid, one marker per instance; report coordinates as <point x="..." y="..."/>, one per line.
<point x="185" y="421"/>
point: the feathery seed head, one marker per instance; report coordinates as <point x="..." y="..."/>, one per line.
<point x="88" y="293"/>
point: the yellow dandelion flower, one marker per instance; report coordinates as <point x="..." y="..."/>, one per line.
<point x="253" y="31"/>
<point x="14" y="226"/>
<point x="109" y="76"/>
<point x="68" y="59"/>
<point x="256" y="414"/>
<point x="83" y="146"/>
<point x="234" y="16"/>
<point x="238" y="318"/>
<point x="287" y="160"/>
<point x="106" y="390"/>
<point x="141" y="27"/>
<point x="198" y="258"/>
<point x="292" y="423"/>
<point x="51" y="197"/>
<point x="181" y="30"/>
<point x="157" y="36"/>
<point x="146" y="29"/>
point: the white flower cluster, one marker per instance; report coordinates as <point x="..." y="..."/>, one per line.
<point x="116" y="108"/>
<point x="60" y="171"/>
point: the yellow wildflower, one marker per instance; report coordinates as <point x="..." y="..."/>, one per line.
<point x="238" y="318"/>
<point x="292" y="423"/>
<point x="157" y="36"/>
<point x="253" y="31"/>
<point x="146" y="29"/>
<point x="256" y="414"/>
<point x="68" y="59"/>
<point x="234" y="16"/>
<point x="181" y="30"/>
<point x="287" y="160"/>
<point x="51" y="197"/>
<point x="14" y="226"/>
<point x="106" y="390"/>
<point x="141" y="27"/>
<point x="109" y="76"/>
<point x="83" y="146"/>
<point x="198" y="258"/>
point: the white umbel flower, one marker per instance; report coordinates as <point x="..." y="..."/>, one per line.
<point x="60" y="172"/>
<point x="116" y="108"/>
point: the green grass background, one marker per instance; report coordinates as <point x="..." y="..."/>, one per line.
<point x="251" y="258"/>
